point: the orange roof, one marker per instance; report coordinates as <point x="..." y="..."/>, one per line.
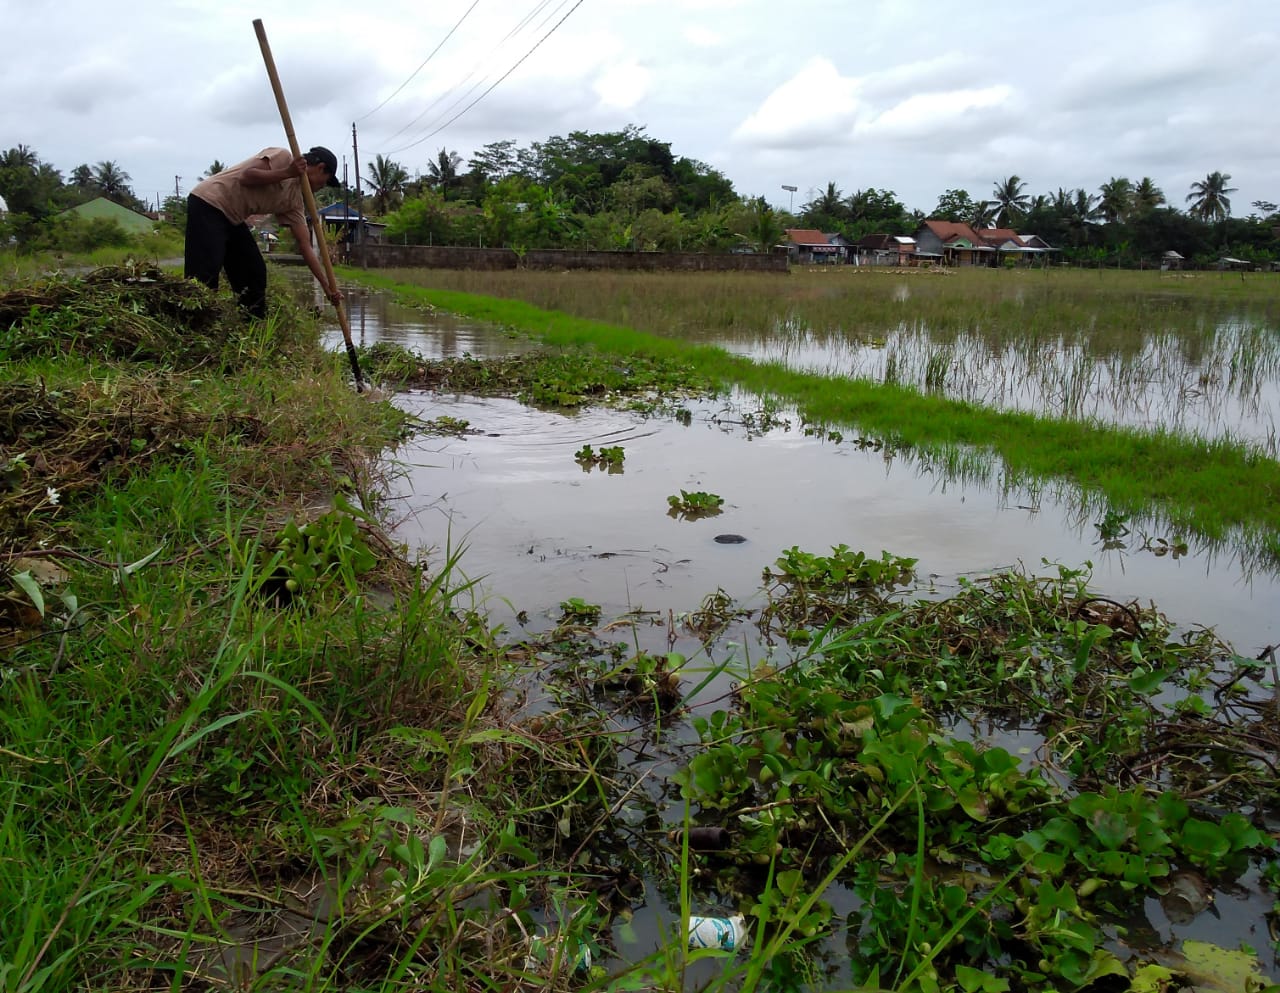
<point x="807" y="236"/>
<point x="998" y="236"/>
<point x="947" y="231"/>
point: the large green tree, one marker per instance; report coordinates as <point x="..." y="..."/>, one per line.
<point x="955" y="206"/>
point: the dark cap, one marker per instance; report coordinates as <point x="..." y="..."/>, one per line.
<point x="320" y="155"/>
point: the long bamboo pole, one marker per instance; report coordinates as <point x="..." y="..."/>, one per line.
<point x="308" y="196"/>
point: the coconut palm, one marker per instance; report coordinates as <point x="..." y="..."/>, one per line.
<point x="82" y="177"/>
<point x="1208" y="197"/>
<point x="443" y="171"/>
<point x="112" y="181"/>
<point x="1147" y="196"/>
<point x="1082" y="211"/>
<point x="387" y="179"/>
<point x="1010" y="201"/>
<point x="215" y="167"/>
<point x="19" y="157"/>
<point x="829" y="204"/>
<point x="1115" y="199"/>
<point x="984" y="214"/>
<point x="762" y="229"/>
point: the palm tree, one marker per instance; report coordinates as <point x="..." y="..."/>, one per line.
<point x="443" y="172"/>
<point x="1147" y="196"/>
<point x="112" y="181"/>
<point x="1010" y="201"/>
<point x="19" y="157"/>
<point x="1082" y="210"/>
<point x="386" y="178"/>
<point x="763" y="229"/>
<point x="1115" y="199"/>
<point x="1208" y="197"/>
<point x="82" y="177"/>
<point x="829" y="204"/>
<point x="984" y="214"/>
<point x="215" y="167"/>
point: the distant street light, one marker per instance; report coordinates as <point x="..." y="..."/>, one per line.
<point x="791" y="205"/>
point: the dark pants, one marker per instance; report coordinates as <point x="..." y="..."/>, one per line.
<point x="215" y="244"/>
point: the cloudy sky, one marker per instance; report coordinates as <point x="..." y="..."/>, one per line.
<point x="916" y="97"/>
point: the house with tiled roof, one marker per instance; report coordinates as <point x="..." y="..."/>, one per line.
<point x="807" y="246"/>
<point x="956" y="243"/>
<point x="952" y="243"/>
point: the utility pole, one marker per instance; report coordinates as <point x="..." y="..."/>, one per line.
<point x="177" y="193"/>
<point x="355" y="154"/>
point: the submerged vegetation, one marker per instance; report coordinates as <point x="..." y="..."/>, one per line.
<point x="248" y="743"/>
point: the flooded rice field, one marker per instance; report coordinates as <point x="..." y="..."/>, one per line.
<point x="539" y="529"/>
<point x="541" y="534"/>
<point x="1230" y="388"/>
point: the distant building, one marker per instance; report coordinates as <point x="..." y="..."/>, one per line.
<point x="885" y="249"/>
<point x="809" y="246"/>
<point x="955" y="243"/>
<point x="347" y="224"/>
<point x="101" y="207"/>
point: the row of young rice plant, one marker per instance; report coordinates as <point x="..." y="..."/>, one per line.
<point x="1195" y="354"/>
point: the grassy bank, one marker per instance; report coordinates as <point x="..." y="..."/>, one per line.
<point x="1216" y="489"/>
<point x="213" y="658"/>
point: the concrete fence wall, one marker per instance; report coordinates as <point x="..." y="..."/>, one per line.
<point x="457" y="257"/>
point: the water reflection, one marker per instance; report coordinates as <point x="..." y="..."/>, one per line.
<point x="1227" y="386"/>
<point x="540" y="530"/>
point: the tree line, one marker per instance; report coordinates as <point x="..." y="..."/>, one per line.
<point x="627" y="190"/>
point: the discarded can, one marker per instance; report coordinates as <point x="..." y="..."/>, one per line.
<point x="727" y="933"/>
<point x="704" y="839"/>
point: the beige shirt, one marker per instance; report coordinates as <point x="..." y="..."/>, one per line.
<point x="239" y="202"/>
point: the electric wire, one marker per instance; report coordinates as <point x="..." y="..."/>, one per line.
<point x="466" y="14"/>
<point x="520" y="26"/>
<point x="494" y="85"/>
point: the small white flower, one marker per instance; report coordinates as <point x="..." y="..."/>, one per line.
<point x="52" y="495"/>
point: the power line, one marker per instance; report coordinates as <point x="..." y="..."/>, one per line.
<point x="520" y="26"/>
<point x="415" y="72"/>
<point x="493" y="86"/>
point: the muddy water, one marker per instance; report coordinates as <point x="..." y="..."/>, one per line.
<point x="537" y="530"/>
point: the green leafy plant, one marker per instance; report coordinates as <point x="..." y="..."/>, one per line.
<point x="694" y="505"/>
<point x="575" y="610"/>
<point x="317" y="553"/>
<point x="609" y="457"/>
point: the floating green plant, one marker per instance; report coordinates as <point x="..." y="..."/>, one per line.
<point x="609" y="457"/>
<point x="694" y="505"/>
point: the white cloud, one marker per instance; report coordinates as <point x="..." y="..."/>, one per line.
<point x="815" y="107"/>
<point x="623" y="86"/>
<point x="929" y="115"/>
<point x="702" y="37"/>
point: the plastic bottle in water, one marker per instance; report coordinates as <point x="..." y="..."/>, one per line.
<point x="727" y="933"/>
